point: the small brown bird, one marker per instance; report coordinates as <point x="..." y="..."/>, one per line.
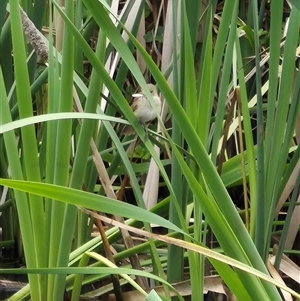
<point x="142" y="108"/>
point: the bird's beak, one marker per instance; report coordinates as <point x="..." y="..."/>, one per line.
<point x="137" y="95"/>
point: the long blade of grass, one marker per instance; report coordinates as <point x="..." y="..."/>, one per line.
<point x="21" y="198"/>
<point x="29" y="142"/>
<point x="92" y="201"/>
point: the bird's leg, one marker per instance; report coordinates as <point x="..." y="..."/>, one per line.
<point x="145" y="126"/>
